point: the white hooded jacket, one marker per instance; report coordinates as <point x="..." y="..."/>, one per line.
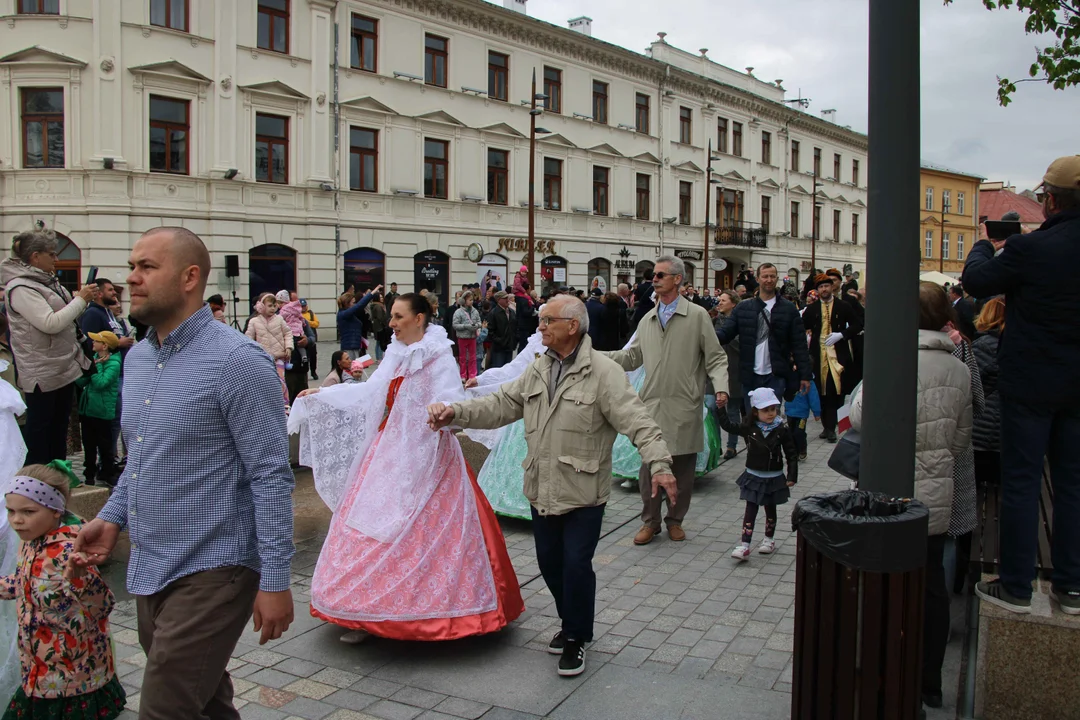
<point x="942" y="423"/>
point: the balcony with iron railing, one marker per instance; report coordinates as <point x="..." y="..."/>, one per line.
<point x="741" y="234"/>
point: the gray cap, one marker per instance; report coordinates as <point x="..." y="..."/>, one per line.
<point x="1011" y="215"/>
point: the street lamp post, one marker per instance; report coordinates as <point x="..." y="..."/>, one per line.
<point x="533" y="130"/>
<point x="945" y="205"/>
<point x="814" y="226"/>
<point x="708" y="188"/>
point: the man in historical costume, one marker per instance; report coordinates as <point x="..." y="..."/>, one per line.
<point x="832" y="324"/>
<point x="574" y="402"/>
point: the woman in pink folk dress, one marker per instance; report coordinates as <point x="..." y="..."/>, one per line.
<point x="414" y="550"/>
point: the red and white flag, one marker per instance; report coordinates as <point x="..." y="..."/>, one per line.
<point x="364" y="362"/>
<point x="843" y="421"/>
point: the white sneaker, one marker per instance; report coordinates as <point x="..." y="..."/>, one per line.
<point x="741" y="552"/>
<point x="767" y="547"/>
<point x="354" y="637"/>
<point x="629" y="485"/>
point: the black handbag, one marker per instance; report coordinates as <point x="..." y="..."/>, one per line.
<point x="845" y="456"/>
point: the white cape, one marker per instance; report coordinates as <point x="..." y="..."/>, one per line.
<point x="12" y="455"/>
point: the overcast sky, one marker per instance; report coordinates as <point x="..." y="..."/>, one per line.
<point x="820" y="46"/>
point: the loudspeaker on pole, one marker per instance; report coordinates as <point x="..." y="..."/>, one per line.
<point x="232" y="266"/>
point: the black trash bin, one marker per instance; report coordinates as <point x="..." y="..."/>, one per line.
<point x="859" y="581"/>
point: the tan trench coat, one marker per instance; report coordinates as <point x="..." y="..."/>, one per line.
<point x="568" y="464"/>
<point x="677" y="360"/>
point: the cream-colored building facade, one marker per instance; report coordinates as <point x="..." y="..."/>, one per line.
<point x="329" y="143"/>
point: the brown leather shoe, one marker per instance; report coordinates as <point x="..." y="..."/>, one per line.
<point x="645" y="535"/>
<point x="675" y="532"/>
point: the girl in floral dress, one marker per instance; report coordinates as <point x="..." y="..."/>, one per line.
<point x="67" y="662"/>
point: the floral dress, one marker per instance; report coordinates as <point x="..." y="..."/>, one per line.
<point x="64" y="650"/>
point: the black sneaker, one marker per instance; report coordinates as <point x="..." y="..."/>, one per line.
<point x="555" y="647"/>
<point x="1069" y="600"/>
<point x="831" y="437"/>
<point x="824" y="434"/>
<point x="995" y="593"/>
<point x="572" y="662"/>
<point x="314" y="376"/>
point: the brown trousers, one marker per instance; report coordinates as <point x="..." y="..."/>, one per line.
<point x="683" y="467"/>
<point x="189" y="631"/>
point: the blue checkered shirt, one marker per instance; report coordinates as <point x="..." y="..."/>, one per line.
<point x="207" y="482"/>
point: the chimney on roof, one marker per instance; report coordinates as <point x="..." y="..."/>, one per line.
<point x="829" y="115"/>
<point x="582" y="25"/>
<point x="515" y="5"/>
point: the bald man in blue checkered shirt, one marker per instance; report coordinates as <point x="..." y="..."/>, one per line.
<point x="206" y="496"/>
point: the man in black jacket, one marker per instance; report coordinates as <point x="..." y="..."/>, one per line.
<point x="502" y="331"/>
<point x="832" y="324"/>
<point x="965" y="311"/>
<point x="770" y="335"/>
<point x="1038" y="388"/>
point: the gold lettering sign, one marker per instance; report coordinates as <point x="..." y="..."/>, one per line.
<point x="545" y="247"/>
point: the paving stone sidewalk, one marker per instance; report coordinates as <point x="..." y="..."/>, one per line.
<point x="683" y="631"/>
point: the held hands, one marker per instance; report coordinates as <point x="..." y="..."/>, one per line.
<point x="439" y="415"/>
<point x="833" y="339"/>
<point x="721" y="399"/>
<point x="273" y="614"/>
<point x="666" y="481"/>
<point x="93" y="546"/>
<point x="305" y="393"/>
<point x="804" y="387"/>
<point x="471" y="383"/>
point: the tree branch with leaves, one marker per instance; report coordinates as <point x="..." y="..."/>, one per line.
<point x="1057" y="65"/>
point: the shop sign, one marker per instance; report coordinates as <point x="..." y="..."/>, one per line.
<point x="694" y="255"/>
<point x="624" y="262"/>
<point x="544" y="247"/>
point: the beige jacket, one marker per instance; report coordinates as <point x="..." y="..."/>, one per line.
<point x="942" y="423"/>
<point x="568" y="464"/>
<point x="678" y="360"/>
<point x="273" y="334"/>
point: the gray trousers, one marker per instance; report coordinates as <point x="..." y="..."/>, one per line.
<point x="683" y="467"/>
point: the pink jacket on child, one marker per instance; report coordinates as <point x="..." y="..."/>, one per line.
<point x="293" y="315"/>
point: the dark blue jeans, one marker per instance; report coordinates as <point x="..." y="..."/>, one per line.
<point x="1028" y="434"/>
<point x="770" y="381"/>
<point x="498" y="358"/>
<point x="564" y="551"/>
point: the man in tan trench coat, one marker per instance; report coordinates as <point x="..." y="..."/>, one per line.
<point x="677" y="344"/>
<point x="574" y="402"/>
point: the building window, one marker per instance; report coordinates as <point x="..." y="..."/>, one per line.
<point x="836" y="167"/>
<point x="552" y="184"/>
<point x="169" y="132"/>
<point x="498" y="76"/>
<point x="271" y="148"/>
<point x="794" y="156"/>
<point x="365" y="42"/>
<point x="945" y="246"/>
<point x="817" y="222"/>
<point x="436" y="168"/>
<point x="929" y="244"/>
<point x="959" y="247"/>
<point x="929" y="198"/>
<point x="641" y="113"/>
<point x="836" y="218"/>
<point x="686" y="119"/>
<point x="274" y="25"/>
<point x="855" y="173"/>
<point x="946" y="200"/>
<point x="642" y="197"/>
<point x="730" y="207"/>
<point x="363" y="159"/>
<point x="43" y="127"/>
<point x="766" y="213"/>
<point x="599" y="102"/>
<point x="686" y="190"/>
<point x="854" y="229"/>
<point x="498" y="176"/>
<point x="553" y="89"/>
<point x="600" y="177"/>
<point x="817" y="162"/>
<point x="39" y="7"/>
<point x="169" y="13"/>
<point x="960" y="205"/>
<point x="794" y="219"/>
<point x="721" y="135"/>
<point x="435" y="59"/>
<point x="736" y="139"/>
<point x="766" y="148"/>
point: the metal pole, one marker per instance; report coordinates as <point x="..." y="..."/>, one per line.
<point x="814" y="229"/>
<point x="708" y="187"/>
<point x="891" y="365"/>
<point x="941" y="260"/>
<point x="532" y="183"/>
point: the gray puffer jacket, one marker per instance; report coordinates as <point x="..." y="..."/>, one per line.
<point x="987" y="435"/>
<point x="943" y="423"/>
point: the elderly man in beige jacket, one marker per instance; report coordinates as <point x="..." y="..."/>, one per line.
<point x="574" y="402"/>
<point x="677" y="344"/>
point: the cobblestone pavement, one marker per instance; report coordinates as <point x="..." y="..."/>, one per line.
<point x="683" y="631"/>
